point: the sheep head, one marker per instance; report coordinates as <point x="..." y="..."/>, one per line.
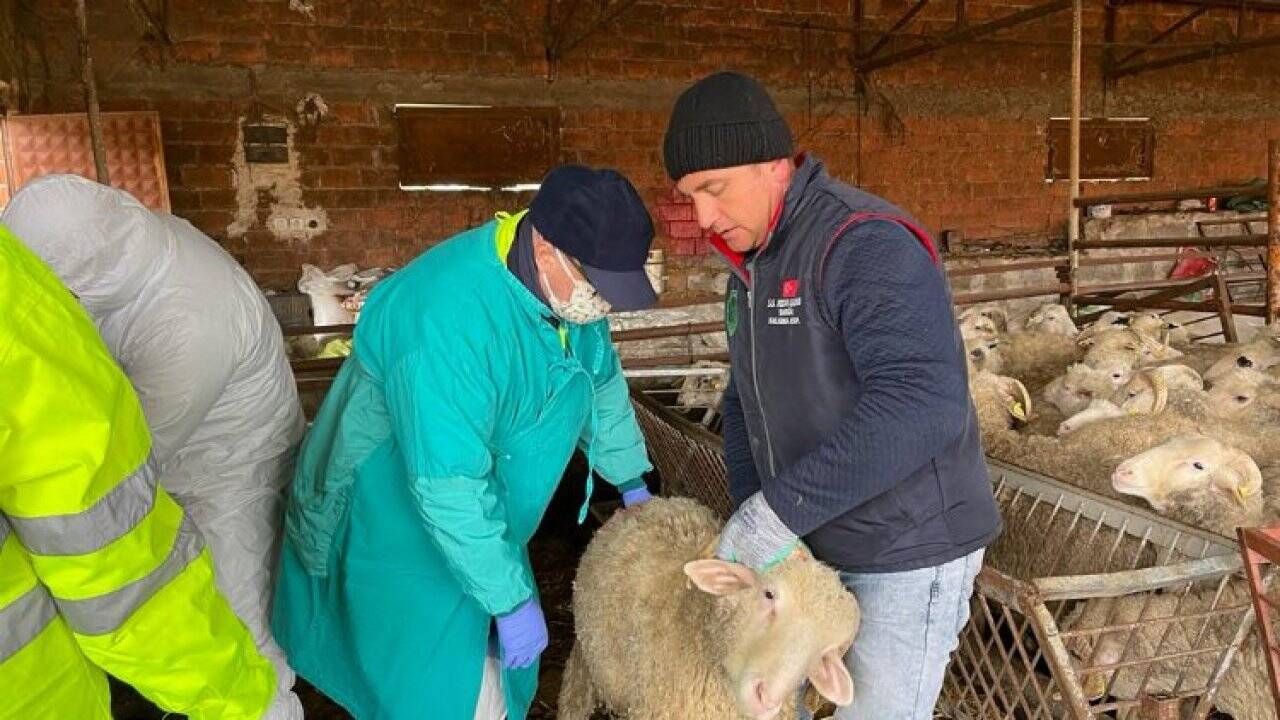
<point x="1052" y="318"/>
<point x="1256" y="356"/>
<point x="984" y="354"/>
<point x="1232" y="395"/>
<point x="1081" y="385"/>
<point x="1147" y="323"/>
<point x="1116" y="365"/>
<point x="977" y="326"/>
<point x="1191" y="463"/>
<point x="781" y="627"/>
<point x="1148" y="391"/>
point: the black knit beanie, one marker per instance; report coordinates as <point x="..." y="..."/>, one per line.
<point x="724" y="120"/>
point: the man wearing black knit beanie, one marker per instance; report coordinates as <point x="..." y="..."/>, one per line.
<point x="847" y="419"/>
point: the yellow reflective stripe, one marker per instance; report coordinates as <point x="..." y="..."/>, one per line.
<point x="105" y="613"/>
<point x="505" y="235"/>
<point x="16" y="575"/>
<point x="51" y="678"/>
<point x="118" y="512"/>
<point x="23" y="619"/>
<point x="133" y="556"/>
<point x="205" y="666"/>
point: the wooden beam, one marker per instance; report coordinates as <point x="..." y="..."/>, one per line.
<point x="969" y="32"/>
<point x="1273" y="232"/>
<point x="156" y="27"/>
<point x="1222" y="295"/>
<point x="91" y="97"/>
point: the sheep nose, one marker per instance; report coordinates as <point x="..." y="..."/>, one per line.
<point x="761" y="697"/>
<point x="1122" y="474"/>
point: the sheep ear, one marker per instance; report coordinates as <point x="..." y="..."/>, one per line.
<point x="1018" y="399"/>
<point x="831" y="678"/>
<point x="1239" y="477"/>
<point x="719" y="577"/>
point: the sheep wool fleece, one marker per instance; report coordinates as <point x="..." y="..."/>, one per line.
<point x="429" y="467"/>
<point x="203" y="350"/>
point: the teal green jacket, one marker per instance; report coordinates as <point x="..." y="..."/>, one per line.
<point x="429" y="466"/>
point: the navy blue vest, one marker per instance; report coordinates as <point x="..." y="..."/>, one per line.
<point x="796" y="384"/>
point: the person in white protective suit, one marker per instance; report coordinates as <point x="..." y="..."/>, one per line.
<point x="198" y="341"/>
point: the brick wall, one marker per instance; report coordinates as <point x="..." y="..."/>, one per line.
<point x="956" y="137"/>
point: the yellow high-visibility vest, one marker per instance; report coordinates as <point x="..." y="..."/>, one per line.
<point x="99" y="567"/>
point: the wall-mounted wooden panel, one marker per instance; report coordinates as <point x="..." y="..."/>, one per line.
<point x="476" y="146"/>
<point x="1109" y="149"/>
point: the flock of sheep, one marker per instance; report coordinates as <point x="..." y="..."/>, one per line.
<point x="1128" y="407"/>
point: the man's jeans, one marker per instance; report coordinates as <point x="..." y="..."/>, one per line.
<point x="911" y="622"/>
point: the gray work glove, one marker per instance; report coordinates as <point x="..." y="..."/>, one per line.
<point x="755" y="536"/>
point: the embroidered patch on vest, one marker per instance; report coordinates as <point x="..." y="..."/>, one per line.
<point x="731" y="312"/>
<point x="783" y="310"/>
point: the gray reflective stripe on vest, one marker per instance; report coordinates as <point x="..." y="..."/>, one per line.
<point x="23" y="619"/>
<point x="95" y="527"/>
<point x="4" y="530"/>
<point x="104" y="613"/>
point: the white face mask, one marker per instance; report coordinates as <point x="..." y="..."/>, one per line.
<point x="584" y="305"/>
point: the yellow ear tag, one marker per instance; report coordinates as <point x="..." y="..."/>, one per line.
<point x="1242" y="494"/>
<point x="1017" y="411"/>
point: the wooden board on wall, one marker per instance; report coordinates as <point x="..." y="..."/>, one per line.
<point x="476" y="146"/>
<point x="1109" y="149"/>
<point x="37" y="145"/>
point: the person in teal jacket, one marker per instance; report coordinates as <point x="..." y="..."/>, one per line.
<point x="405" y="589"/>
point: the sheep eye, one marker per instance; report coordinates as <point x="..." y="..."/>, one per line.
<point x="1242" y="398"/>
<point x="768" y="595"/>
<point x="1244" y="362"/>
<point x="1197" y="465"/>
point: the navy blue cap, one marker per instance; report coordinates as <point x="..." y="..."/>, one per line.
<point x="597" y="218"/>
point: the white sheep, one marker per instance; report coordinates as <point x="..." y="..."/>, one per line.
<point x="1081" y="384"/>
<point x="1186" y="476"/>
<point x="661" y="634"/>
<point x="976" y="326"/>
<point x="1001" y="402"/>
<point x="1244" y="395"/>
<point x="992" y="312"/>
<point x="1201" y="482"/>
<point x="984" y="354"/>
<point x="1036" y="356"/>
<point x="1051" y="318"/>
<point x="1259" y="355"/>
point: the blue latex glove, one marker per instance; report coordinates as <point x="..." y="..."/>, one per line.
<point x="636" y="497"/>
<point x="522" y="634"/>
<point x="755" y="536"/>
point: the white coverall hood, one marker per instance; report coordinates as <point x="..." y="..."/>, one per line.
<point x="206" y="356"/>
<point x="104" y="262"/>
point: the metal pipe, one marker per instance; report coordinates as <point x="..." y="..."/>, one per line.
<point x="1010" y="294"/>
<point x="667" y="331"/>
<point x="1219" y="241"/>
<point x="91" y="97"/>
<point x="1191" y="194"/>
<point x="1273" y="232"/>
<point x="1073" y="214"/>
<point x="1254" y="5"/>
